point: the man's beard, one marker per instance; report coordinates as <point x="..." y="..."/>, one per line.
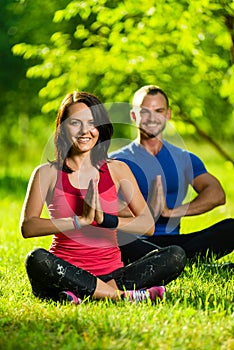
<point x="148" y="135"/>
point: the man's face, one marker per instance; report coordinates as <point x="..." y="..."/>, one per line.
<point x="152" y="115"/>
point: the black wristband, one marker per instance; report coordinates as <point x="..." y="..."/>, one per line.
<point x="109" y="221"/>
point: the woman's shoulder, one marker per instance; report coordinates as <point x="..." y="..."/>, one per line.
<point x="44" y="176"/>
<point x="46" y="170"/>
<point x="117" y="165"/>
<point x="118" y="169"/>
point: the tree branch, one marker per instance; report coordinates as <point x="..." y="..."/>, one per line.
<point x="229" y="21"/>
<point x="208" y="138"/>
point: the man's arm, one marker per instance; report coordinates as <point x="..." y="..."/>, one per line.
<point x="210" y="194"/>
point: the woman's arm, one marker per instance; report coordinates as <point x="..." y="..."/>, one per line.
<point x="40" y="188"/>
<point x="123" y="209"/>
<point x="142" y="222"/>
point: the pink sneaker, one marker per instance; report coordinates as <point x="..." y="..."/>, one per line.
<point x="70" y="297"/>
<point x="142" y="295"/>
<point x="157" y="292"/>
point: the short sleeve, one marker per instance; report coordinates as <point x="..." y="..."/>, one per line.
<point x="197" y="166"/>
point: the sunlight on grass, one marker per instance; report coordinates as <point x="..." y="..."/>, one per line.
<point x="197" y="314"/>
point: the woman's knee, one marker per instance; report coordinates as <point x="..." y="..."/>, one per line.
<point x="173" y="256"/>
<point x="35" y="255"/>
<point x="35" y="259"/>
<point x="177" y="256"/>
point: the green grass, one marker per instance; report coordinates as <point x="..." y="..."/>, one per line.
<point x="198" y="314"/>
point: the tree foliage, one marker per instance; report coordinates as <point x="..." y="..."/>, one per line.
<point x="113" y="47"/>
<point x="21" y="21"/>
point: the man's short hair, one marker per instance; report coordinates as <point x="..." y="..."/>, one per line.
<point x="147" y="90"/>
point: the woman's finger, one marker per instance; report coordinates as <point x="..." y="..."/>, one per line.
<point x="89" y="203"/>
<point x="98" y="211"/>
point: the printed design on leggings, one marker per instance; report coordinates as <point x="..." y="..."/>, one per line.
<point x="61" y="270"/>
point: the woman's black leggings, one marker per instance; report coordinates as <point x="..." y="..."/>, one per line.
<point x="50" y="275"/>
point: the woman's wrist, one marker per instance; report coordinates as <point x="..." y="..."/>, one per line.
<point x="109" y="221"/>
<point x="76" y="222"/>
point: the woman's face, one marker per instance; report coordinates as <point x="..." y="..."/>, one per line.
<point x="80" y="128"/>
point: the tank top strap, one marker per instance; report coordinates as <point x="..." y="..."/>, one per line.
<point x="105" y="182"/>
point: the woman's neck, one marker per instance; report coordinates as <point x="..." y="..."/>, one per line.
<point x="79" y="161"/>
<point x="83" y="171"/>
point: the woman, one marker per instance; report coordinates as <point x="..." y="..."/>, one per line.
<point x="80" y="190"/>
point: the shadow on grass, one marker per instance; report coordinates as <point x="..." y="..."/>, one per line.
<point x="14" y="186"/>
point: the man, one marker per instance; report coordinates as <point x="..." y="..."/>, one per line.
<point x="164" y="173"/>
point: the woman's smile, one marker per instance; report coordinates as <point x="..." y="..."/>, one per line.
<point x="80" y="128"/>
<point x="83" y="139"/>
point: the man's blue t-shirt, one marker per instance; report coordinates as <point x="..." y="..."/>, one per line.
<point x="177" y="168"/>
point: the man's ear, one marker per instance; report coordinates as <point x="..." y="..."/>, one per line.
<point x="133" y="115"/>
<point x="168" y="116"/>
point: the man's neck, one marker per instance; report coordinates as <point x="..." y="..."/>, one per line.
<point x="152" y="145"/>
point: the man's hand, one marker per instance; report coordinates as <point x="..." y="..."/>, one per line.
<point x="157" y="201"/>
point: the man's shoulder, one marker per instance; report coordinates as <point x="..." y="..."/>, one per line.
<point x="186" y="157"/>
<point x="180" y="151"/>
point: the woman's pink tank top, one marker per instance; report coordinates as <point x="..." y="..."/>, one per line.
<point x="92" y="248"/>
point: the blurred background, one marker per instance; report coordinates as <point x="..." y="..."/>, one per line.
<point x="111" y="48"/>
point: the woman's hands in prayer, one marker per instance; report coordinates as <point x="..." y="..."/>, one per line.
<point x="92" y="207"/>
